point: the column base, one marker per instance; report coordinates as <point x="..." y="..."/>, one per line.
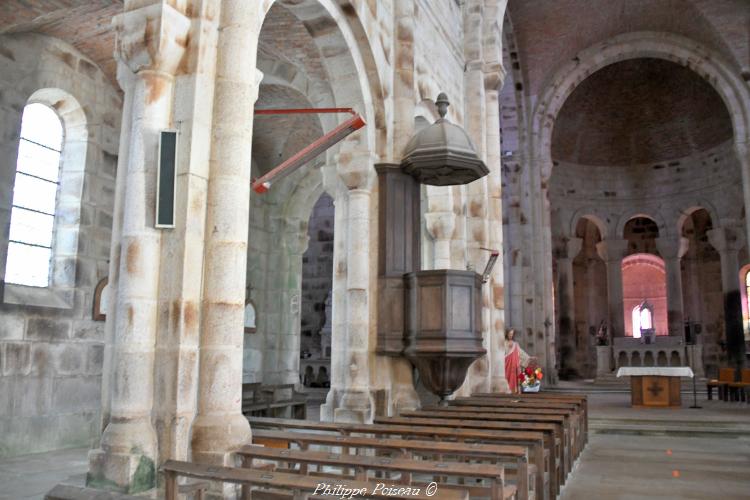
<point x="125" y="463"/>
<point x="355" y="406"/>
<point x="215" y="438"/>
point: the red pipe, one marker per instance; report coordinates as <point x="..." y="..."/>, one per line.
<point x="262" y="184"/>
<point x="292" y="111"/>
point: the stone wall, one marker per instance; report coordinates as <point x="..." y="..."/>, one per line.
<point x="50" y="349"/>
<point x="687" y="196"/>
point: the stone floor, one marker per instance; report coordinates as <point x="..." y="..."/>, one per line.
<point x="632" y="454"/>
<point x="619" y="467"/>
<point x="31" y="476"/>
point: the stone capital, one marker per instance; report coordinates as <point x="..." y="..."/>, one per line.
<point x="494" y="76"/>
<point x="726" y="239"/>
<point x="568" y="248"/>
<point x="151" y="38"/>
<point x="612" y="250"/>
<point x="671" y="247"/>
<point x="355" y="168"/>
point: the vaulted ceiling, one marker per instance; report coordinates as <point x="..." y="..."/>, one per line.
<point x="639" y="111"/>
<point x="85" y="24"/>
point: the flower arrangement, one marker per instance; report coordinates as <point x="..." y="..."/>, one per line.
<point x="530" y="379"/>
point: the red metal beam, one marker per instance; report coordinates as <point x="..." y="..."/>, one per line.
<point x="262" y="184"/>
<point x="294" y="111"/>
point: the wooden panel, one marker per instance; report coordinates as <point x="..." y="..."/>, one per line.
<point x="674" y="392"/>
<point x="636" y="391"/>
<point x="461" y="310"/>
<point x="431" y="308"/>
<point x="398" y="252"/>
<point x="656" y="390"/>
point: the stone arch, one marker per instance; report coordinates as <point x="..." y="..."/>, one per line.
<point x="353" y="49"/>
<point x="588" y="214"/>
<point x="675" y="48"/>
<point x="629" y="215"/>
<point x="702" y="204"/>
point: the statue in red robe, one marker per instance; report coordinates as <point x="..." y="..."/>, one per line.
<point x="515" y="360"/>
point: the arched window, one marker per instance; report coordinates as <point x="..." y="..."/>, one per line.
<point x="34" y="197"/>
<point x="747" y="289"/>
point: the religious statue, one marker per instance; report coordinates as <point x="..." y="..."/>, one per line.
<point x="515" y="359"/>
<point x="601" y="334"/>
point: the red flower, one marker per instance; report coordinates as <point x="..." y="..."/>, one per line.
<point x="529" y="371"/>
<point x="521" y="376"/>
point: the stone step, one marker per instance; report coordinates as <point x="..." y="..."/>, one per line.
<point x="712" y="430"/>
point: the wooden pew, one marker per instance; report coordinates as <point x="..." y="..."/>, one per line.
<point x="495" y="414"/>
<point x="514" y="455"/>
<point x="535" y="441"/>
<point x="552" y="433"/>
<point x="571" y="423"/>
<point x="299" y="487"/>
<point x="579" y="399"/>
<point x="265" y="400"/>
<point x="570" y="410"/>
<point x="363" y="465"/>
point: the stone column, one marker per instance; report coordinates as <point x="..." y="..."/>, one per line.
<point x="566" y="306"/>
<point x="440" y="222"/>
<point x="728" y="241"/>
<point x="612" y="252"/>
<point x="493" y="80"/>
<point x="356" y="169"/>
<point x="671" y="249"/>
<point x="127" y="458"/>
<point x="219" y="426"/>
<point x="742" y="149"/>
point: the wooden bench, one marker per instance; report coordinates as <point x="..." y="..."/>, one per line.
<point x="494" y="414"/>
<point x="534" y="441"/>
<point x="571" y="420"/>
<point x="726" y="376"/>
<point x="294" y="486"/>
<point x="552" y="432"/>
<point x="363" y="465"/>
<point x="579" y="399"/>
<point x="572" y="411"/>
<point x="268" y="400"/>
<point x="515" y="456"/>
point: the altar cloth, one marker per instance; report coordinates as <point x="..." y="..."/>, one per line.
<point x="656" y="371"/>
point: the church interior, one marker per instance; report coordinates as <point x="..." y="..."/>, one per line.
<point x="362" y="248"/>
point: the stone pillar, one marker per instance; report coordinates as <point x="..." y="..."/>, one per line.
<point x="441" y="225"/>
<point x="356" y="169"/>
<point x="671" y="249"/>
<point x="494" y="76"/>
<point x="127" y="458"/>
<point x="742" y="149"/>
<point x="728" y="241"/>
<point x="219" y="426"/>
<point x="612" y="252"/>
<point x="566" y="307"/>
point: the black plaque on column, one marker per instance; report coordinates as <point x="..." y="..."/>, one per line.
<point x="398" y="252"/>
<point x="166" y="179"/>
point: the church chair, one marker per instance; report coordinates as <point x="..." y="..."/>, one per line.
<point x="738" y="390"/>
<point x="726" y="376"/>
